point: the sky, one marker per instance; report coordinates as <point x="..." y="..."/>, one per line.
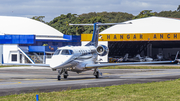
<point x="54" y="8"/>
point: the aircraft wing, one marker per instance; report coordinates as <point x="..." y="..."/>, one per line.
<point x="127" y="63"/>
<point x="27" y="64"/>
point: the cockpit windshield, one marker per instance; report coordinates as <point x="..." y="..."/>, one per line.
<point x="57" y="52"/>
<point x="66" y="52"/>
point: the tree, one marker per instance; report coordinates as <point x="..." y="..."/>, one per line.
<point x="61" y="22"/>
<point x="144" y="13"/>
<point x="178" y="9"/>
<point x="39" y="18"/>
<point x="172" y="14"/>
<point x="165" y="14"/>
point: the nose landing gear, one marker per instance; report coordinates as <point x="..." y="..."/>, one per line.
<point x="61" y="72"/>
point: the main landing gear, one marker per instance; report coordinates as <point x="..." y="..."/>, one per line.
<point x="65" y="74"/>
<point x="97" y="73"/>
<point x="61" y="72"/>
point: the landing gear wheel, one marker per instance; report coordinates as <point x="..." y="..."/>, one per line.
<point x="97" y="75"/>
<point x="65" y="76"/>
<point x="59" y="77"/>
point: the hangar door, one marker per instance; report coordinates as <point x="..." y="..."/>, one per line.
<point x="145" y="48"/>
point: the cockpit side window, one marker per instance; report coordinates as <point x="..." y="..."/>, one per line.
<point x="57" y="52"/>
<point x="70" y="51"/>
<point x="66" y="52"/>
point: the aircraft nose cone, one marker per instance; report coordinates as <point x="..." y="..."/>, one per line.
<point x="55" y="61"/>
<point x="58" y="61"/>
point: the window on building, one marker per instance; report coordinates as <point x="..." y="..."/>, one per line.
<point x="64" y="43"/>
<point x="74" y="43"/>
<point x="14" y="57"/>
<point x="55" y="43"/>
<point x="44" y="43"/>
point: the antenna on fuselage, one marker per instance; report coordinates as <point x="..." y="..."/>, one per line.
<point x="94" y="41"/>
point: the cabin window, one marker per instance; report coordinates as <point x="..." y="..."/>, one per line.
<point x="85" y="52"/>
<point x="57" y="52"/>
<point x="81" y="52"/>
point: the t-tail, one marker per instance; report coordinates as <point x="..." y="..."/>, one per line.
<point x="94" y="41"/>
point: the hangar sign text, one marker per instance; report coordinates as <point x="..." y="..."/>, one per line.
<point x="134" y="37"/>
<point x="141" y="37"/>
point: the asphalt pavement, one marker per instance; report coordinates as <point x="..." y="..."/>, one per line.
<point x="16" y="80"/>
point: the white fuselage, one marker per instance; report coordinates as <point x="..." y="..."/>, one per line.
<point x="73" y="57"/>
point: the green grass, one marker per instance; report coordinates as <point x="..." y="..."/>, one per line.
<point x="1" y="66"/>
<point x="5" y="66"/>
<point x="142" y="67"/>
<point x="155" y="91"/>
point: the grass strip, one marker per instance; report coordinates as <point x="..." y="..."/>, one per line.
<point x="1" y="66"/>
<point x="155" y="91"/>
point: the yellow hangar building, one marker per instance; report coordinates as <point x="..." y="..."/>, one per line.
<point x="151" y="36"/>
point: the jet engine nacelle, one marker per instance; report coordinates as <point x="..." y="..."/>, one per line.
<point x="102" y="50"/>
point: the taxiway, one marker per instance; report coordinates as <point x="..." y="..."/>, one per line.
<point x="15" y="80"/>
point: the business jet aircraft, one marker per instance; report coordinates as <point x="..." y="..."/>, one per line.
<point x="83" y="58"/>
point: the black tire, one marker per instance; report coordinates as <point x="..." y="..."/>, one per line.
<point x="65" y="76"/>
<point x="97" y="75"/>
<point x="59" y="77"/>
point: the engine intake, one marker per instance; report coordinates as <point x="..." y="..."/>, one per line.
<point x="102" y="50"/>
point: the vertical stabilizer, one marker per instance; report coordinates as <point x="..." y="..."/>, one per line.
<point x="94" y="41"/>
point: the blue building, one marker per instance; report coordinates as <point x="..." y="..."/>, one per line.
<point x="26" y="40"/>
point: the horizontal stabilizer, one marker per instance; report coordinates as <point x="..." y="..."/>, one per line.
<point x="99" y="24"/>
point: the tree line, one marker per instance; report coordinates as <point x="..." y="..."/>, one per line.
<point x="61" y="22"/>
